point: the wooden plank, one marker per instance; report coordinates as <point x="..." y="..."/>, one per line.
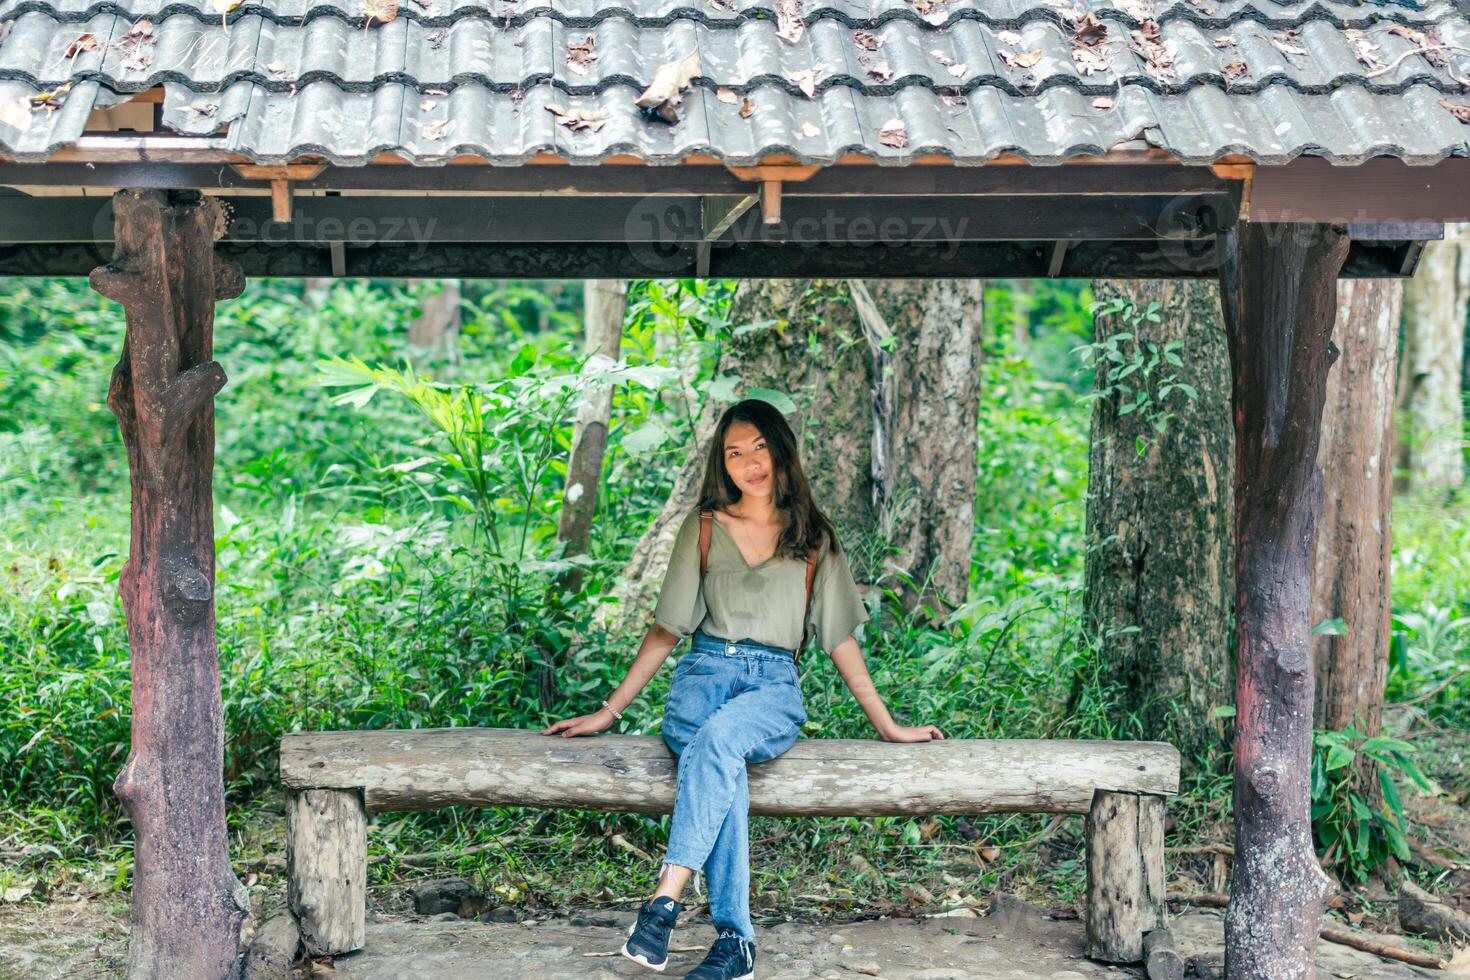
<point x="430" y="768"/>
<point x="1380" y="190"/>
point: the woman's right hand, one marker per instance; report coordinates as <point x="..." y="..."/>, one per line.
<point x="599" y="720"/>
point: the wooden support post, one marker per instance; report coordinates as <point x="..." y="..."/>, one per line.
<point x="1125" y="873"/>
<point x="1278" y="288"/>
<point x="326" y="868"/>
<point x="1161" y="959"/>
<point x="187" y="903"/>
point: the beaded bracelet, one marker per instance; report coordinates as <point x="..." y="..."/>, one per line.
<point x="616" y="714"/>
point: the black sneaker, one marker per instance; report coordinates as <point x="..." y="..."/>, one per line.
<point x="730" y="958"/>
<point x="648" y="938"/>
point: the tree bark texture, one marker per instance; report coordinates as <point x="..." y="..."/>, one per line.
<point x="1430" y="448"/>
<point x="1353" y="552"/>
<point x="326" y="865"/>
<point x="1160" y="549"/>
<point x="886" y="424"/>
<point x="925" y="408"/>
<point x="187" y="903"/>
<point x="1125" y="874"/>
<point x="604" y="301"/>
<point x="1279" y="295"/>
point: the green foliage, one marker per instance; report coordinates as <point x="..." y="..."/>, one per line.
<point x="1136" y="375"/>
<point x="1358" y="826"/>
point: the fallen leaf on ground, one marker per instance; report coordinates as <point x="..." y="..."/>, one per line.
<point x="894" y="133"/>
<point x="665" y="93"/>
<point x="581" y="54"/>
<point x="578" y="119"/>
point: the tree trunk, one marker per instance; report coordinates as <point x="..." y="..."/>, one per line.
<point x="187" y="903"/>
<point x="1429" y="453"/>
<point x="604" y="302"/>
<point x="925" y="406"/>
<point x="1279" y="294"/>
<point x="1350" y="580"/>
<point x="878" y="422"/>
<point x="1159" y="535"/>
<point x="439" y="319"/>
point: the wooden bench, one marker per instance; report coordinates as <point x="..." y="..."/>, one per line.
<point x="334" y="779"/>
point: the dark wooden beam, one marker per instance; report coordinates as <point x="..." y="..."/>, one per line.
<point x="984" y="260"/>
<point x="1278" y="287"/>
<point x="640" y="181"/>
<point x="845" y="220"/>
<point x="187" y="905"/>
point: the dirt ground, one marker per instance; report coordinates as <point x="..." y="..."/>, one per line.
<point x="77" y="940"/>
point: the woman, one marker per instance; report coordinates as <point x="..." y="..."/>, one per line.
<point x="735" y="696"/>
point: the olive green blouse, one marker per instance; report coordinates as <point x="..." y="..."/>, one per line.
<point x="762" y="602"/>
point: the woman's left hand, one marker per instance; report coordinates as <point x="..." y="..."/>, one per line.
<point x="917" y="733"/>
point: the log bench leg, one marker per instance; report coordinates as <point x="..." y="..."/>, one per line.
<point x="326" y="868"/>
<point x="1125" y="874"/>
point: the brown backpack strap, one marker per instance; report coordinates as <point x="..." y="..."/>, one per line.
<point x="811" y="574"/>
<point x="706" y="519"/>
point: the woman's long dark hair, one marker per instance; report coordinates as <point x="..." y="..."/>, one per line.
<point x="805" y="524"/>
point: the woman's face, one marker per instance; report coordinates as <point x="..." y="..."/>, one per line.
<point x="748" y="459"/>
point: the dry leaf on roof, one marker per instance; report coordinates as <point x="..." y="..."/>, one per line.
<point x="867" y="40"/>
<point x="1020" y="59"/>
<point x="665" y="93"/>
<point x="436" y="38"/>
<point x="1137" y="9"/>
<point x="578" y="119"/>
<point x="953" y="100"/>
<point x="1427" y="39"/>
<point x="806" y="80"/>
<point x="1224" y="41"/>
<point x="381" y="11"/>
<point x="581" y="54"/>
<point x="1090" y="45"/>
<point x="1237" y="70"/>
<point x="894" y="133"/>
<point x="200" y="108"/>
<point x="435" y="129"/>
<point x="880" y="71"/>
<point x="1460" y="111"/>
<point x="435" y="91"/>
<point x="1102" y="102"/>
<point x="747" y="108"/>
<point x="809" y="130"/>
<point x="135" y="47"/>
<point x="278" y="70"/>
<point x="16" y="113"/>
<point x="1365" y="49"/>
<point x="1286" y="42"/>
<point x="1012" y="38"/>
<point x="727" y="95"/>
<point x="931" y="10"/>
<point x="789" y="26"/>
<point x="80" y="43"/>
<point x="51" y="98"/>
<point x="958" y="69"/>
<point x="427" y="105"/>
<point x="1157" y="54"/>
<point x="223" y="8"/>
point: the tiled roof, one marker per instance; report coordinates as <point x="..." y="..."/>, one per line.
<point x="969" y="79"/>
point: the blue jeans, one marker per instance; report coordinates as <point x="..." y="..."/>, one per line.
<point x="730" y="703"/>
